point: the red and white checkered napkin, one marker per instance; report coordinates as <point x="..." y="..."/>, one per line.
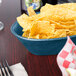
<point x="65" y="58"/>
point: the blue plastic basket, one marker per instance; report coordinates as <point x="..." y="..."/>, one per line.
<point x="40" y="46"/>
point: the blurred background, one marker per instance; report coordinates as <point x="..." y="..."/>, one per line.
<point x="66" y="1"/>
<point x="6" y="12"/>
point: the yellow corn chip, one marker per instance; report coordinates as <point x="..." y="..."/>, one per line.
<point x="42" y="27"/>
<point x="26" y="34"/>
<point x="31" y="11"/>
<point x="35" y="36"/>
<point x="60" y="33"/>
<point x="70" y="33"/>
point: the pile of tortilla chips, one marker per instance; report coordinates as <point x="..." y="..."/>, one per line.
<point x="53" y="21"/>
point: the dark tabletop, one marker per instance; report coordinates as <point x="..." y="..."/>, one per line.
<point x="12" y="50"/>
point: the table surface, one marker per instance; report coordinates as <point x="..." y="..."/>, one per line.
<point x="12" y="50"/>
